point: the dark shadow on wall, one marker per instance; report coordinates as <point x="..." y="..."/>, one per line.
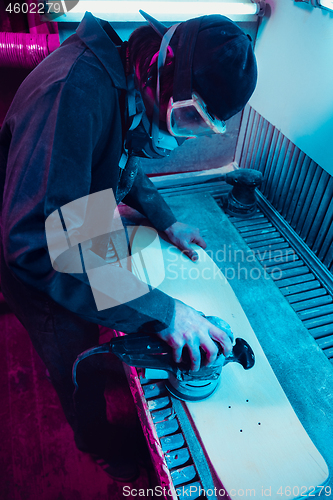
<point x="10" y="80"/>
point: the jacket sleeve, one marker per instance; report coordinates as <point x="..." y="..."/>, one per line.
<point x="50" y="165"/>
<point x="145" y="198"/>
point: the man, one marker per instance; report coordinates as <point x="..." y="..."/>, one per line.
<point x="68" y="130"/>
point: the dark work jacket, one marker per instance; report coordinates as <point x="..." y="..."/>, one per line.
<point x="62" y="140"/>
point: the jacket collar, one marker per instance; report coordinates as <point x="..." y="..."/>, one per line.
<point x="101" y="39"/>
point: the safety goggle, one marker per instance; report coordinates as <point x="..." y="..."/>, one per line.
<point x="191" y="118"/>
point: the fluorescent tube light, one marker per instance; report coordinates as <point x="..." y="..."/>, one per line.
<point x="162" y="10"/>
<point x="327" y="4"/>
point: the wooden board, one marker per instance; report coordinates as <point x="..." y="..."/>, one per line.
<point x="254" y="440"/>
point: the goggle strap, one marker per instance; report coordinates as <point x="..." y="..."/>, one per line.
<point x="160" y="63"/>
<point x="135" y="106"/>
<point x="163" y="54"/>
<point x="182" y="89"/>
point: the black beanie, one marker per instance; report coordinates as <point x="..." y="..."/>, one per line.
<point x="224" y="69"/>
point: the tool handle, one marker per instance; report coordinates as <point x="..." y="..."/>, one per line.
<point x="242" y="353"/>
<point x="143" y="351"/>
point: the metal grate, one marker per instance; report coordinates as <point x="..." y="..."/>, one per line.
<point x="295" y="278"/>
<point x="186" y="476"/>
<point x="297" y="187"/>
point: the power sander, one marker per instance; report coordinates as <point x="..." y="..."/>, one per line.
<point x="241" y="201"/>
<point x="146" y="351"/>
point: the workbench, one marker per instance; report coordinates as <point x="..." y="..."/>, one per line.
<point x="302" y="369"/>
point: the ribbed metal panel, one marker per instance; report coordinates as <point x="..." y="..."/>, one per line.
<point x="297" y="187"/>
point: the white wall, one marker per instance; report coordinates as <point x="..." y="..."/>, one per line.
<point x="295" y="85"/>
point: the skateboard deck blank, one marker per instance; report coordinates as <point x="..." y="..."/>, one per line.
<point x="252" y="436"/>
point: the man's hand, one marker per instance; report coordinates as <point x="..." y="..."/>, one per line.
<point x="181" y="235"/>
<point x="189" y="329"/>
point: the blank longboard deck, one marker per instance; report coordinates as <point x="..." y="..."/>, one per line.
<point x="255" y="442"/>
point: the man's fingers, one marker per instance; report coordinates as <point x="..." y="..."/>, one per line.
<point x="196" y="333"/>
<point x="177" y="354"/>
<point x="222" y="338"/>
<point x="193" y="255"/>
<point x="211" y="352"/>
<point x="199" y="241"/>
<point x="187" y="250"/>
<point x="195" y="357"/>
